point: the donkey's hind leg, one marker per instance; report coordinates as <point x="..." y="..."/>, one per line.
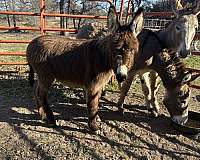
<point x="150" y="84"/>
<point x="41" y="101"/>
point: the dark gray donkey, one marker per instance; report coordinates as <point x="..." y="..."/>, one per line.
<point x="87" y="64"/>
<point x="177" y="36"/>
<point x="176" y="80"/>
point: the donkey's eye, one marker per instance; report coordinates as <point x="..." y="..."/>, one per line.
<point x="117" y="36"/>
<point x="181" y="94"/>
<point x="178" y="28"/>
<point x="118" y="48"/>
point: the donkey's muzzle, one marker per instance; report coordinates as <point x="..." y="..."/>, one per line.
<point x="180" y="119"/>
<point x="185" y="53"/>
<point x="122" y="72"/>
<point x="120" y="78"/>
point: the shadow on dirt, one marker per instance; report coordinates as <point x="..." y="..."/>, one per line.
<point x="17" y="107"/>
<point x="198" y="98"/>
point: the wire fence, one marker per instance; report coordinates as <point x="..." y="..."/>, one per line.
<point x="159" y="23"/>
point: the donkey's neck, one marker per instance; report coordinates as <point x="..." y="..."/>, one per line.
<point x="170" y="68"/>
<point x="166" y="37"/>
<point x="104" y="56"/>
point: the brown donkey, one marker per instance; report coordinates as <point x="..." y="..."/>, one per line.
<point x="87" y="64"/>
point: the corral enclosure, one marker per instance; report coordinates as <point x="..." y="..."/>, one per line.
<point x="134" y="136"/>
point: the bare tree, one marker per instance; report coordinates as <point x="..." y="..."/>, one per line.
<point x="80" y="7"/>
<point x="85" y="7"/>
<point x="4" y="5"/>
<point x="9" y="5"/>
<point x="62" y="20"/>
<point x="68" y="11"/>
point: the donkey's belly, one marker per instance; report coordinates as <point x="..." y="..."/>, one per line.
<point x="97" y="82"/>
<point x="72" y="77"/>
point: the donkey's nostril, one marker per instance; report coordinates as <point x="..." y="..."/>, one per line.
<point x="120" y="78"/>
<point x="188" y="52"/>
<point x="185" y="54"/>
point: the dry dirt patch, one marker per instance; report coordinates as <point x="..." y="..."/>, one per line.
<point x="134" y="136"/>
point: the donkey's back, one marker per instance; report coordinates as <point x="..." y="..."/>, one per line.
<point x="40" y="48"/>
<point x="149" y="44"/>
<point x="73" y="62"/>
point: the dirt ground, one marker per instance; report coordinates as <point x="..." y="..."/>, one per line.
<point x="134" y="136"/>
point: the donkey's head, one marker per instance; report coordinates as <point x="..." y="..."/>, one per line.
<point x="123" y="42"/>
<point x="183" y="29"/>
<point x="176" y="99"/>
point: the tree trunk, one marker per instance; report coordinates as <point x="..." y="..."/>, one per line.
<point x="115" y="2"/>
<point x="8" y="16"/>
<point x="14" y="21"/>
<point x="68" y="9"/>
<point x="8" y="20"/>
<point x="82" y="11"/>
<point x="62" y="20"/>
<point x="74" y="20"/>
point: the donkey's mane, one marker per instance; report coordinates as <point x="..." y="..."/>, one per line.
<point x="170" y="68"/>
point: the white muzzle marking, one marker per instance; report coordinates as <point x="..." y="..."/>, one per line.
<point x="122" y="70"/>
<point x="181" y="119"/>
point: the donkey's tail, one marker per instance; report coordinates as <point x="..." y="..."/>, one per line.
<point x="31" y="76"/>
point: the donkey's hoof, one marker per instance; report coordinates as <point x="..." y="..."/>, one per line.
<point x="155" y="114"/>
<point x="121" y="111"/>
<point x="98" y="132"/>
<point x="49" y="122"/>
<point x="104" y="93"/>
<point x="98" y="119"/>
<point x="93" y="127"/>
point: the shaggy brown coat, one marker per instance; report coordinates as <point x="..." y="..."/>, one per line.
<point x="87" y="64"/>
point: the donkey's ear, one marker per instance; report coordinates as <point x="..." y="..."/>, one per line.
<point x="112" y="19"/>
<point x="178" y="5"/>
<point x="196" y="9"/>
<point x="176" y="13"/>
<point x="189" y="77"/>
<point x="197" y="13"/>
<point x="137" y="22"/>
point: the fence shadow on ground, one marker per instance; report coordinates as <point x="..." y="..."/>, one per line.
<point x="69" y="105"/>
<point x="198" y="98"/>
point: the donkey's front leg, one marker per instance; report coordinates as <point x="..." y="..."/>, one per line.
<point x="150" y="84"/>
<point x="124" y="88"/>
<point x="92" y="99"/>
